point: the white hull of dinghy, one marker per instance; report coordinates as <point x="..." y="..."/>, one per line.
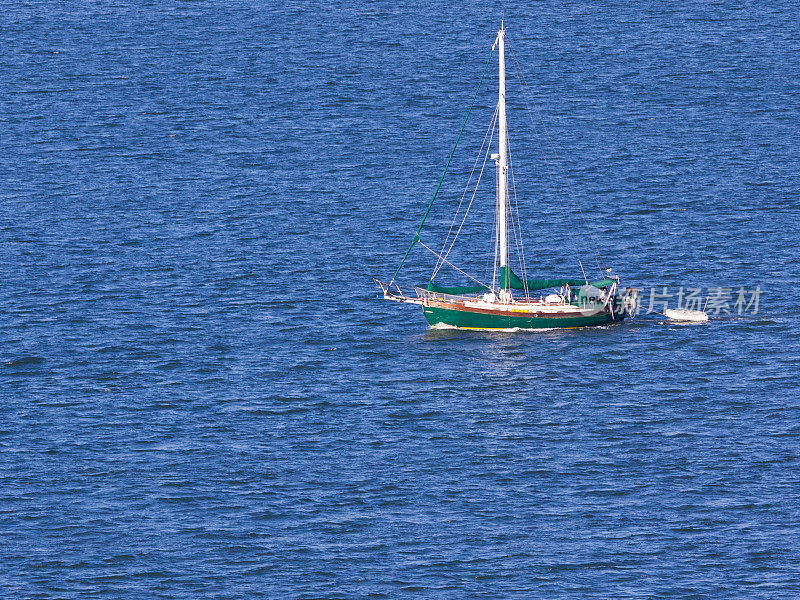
<point x="683" y="314"/>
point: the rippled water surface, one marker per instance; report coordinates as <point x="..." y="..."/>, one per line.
<point x="202" y="397"/>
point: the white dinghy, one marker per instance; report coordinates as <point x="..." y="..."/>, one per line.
<point x="683" y="314"/>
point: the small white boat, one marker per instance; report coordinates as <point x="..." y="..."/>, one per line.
<point x="683" y="314"/>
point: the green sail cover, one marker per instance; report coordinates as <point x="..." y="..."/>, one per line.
<point x="509" y="279"/>
<point x="455" y="291"/>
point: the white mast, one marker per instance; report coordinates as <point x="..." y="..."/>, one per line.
<point x="502" y="163"/>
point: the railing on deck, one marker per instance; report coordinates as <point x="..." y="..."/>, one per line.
<point x="440" y="297"/>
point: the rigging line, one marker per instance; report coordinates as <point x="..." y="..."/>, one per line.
<point x="518" y="241"/>
<point x="520" y="244"/>
<point x="496" y="227"/>
<point x="466" y="189"/>
<point x="558" y="159"/>
<point x="420" y="242"/>
<point x="475" y="191"/>
<point x="463" y="195"/>
<point x="415" y="239"/>
<point x="555" y="153"/>
<point x="521" y="241"/>
<point x="489" y="254"/>
<point x="569" y="242"/>
<point x="514" y="228"/>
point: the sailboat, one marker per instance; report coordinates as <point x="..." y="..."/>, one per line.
<point x="510" y="302"/>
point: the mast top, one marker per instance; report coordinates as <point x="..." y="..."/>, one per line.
<point x="500" y="34"/>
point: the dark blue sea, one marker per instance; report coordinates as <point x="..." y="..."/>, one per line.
<point x="202" y="397"/>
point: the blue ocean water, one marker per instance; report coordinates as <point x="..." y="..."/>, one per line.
<point x="202" y="397"/>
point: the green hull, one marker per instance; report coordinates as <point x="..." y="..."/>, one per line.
<point x="477" y="320"/>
